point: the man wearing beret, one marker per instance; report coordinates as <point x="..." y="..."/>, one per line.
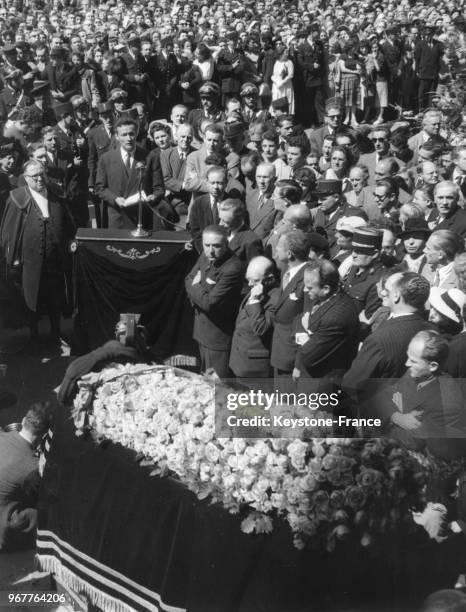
<point x="311" y="60"/>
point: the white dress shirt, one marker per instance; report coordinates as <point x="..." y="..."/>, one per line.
<point x="41" y="202"/>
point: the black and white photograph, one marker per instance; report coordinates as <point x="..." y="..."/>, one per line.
<point x="233" y="305"/>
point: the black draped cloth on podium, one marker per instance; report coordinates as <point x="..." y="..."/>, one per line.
<point x="110" y="279"/>
<point x="125" y="538"/>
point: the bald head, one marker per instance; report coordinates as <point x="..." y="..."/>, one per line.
<point x="298" y="216"/>
<point x="260" y="268"/>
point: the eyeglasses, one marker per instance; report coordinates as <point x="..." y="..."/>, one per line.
<point x="378" y="139"/>
<point x="34" y="177"/>
<point x="380" y="197"/>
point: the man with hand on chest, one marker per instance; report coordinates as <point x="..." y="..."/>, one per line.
<point x="292" y="253"/>
<point x="214" y="288"/>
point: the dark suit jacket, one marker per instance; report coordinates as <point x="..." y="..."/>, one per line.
<point x="153" y="179"/>
<point x="216" y="299"/>
<point x="99" y="142"/>
<point x="455" y="223"/>
<point x="333" y="341"/>
<point x="200" y="216"/>
<point x="289" y="306"/>
<point x="383" y="353"/>
<point x="307" y="57"/>
<point x="112" y="181"/>
<point x="246" y="244"/>
<point x="261" y="220"/>
<point x="252" y="338"/>
<point x="316" y="138"/>
<point x="173" y="171"/>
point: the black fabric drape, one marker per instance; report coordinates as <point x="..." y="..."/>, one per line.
<point x="104" y="290"/>
<point x="100" y="502"/>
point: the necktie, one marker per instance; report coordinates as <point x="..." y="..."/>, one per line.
<point x="260" y="201"/>
<point x="128" y="163"/>
<point x="182" y="157"/>
<point x="286" y="279"/>
<point x="436" y="281"/>
<point x="459" y="180"/>
<point x="215" y="212"/>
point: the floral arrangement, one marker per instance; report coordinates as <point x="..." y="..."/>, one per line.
<point x="326" y="489"/>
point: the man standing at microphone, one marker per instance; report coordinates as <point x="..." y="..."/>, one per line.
<point x="120" y="175"/>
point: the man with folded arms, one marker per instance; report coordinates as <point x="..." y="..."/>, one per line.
<point x="214" y="288"/>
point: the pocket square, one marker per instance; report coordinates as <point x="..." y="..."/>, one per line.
<point x="210" y="281"/>
<point x="294" y="297"/>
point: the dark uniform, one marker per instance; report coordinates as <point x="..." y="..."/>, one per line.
<point x="361" y="286"/>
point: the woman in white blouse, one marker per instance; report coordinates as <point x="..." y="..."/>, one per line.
<point x="282" y="77"/>
<point x="204" y="61"/>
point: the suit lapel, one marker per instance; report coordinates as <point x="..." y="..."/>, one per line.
<point x="320" y="312"/>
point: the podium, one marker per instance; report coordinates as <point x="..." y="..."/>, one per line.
<point x="119" y="247"/>
<point x="114" y="272"/>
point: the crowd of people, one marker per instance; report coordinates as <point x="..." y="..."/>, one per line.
<point x="316" y="153"/>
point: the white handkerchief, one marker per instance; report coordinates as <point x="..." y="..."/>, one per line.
<point x="294" y="297"/>
<point x="210" y="281"/>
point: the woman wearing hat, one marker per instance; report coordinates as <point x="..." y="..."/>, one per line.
<point x="446" y="308"/>
<point x="282" y="77"/>
<point x="414" y="237"/>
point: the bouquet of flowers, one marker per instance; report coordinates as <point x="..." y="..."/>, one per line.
<point x="327" y="489"/>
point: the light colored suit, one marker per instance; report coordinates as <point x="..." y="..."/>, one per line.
<point x="261" y="218"/>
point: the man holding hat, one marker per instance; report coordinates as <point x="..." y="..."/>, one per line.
<point x="332" y="206"/>
<point x="209" y="93"/>
<point x="333" y="124"/>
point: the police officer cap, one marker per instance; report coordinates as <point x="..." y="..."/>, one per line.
<point x="209" y="89"/>
<point x="367" y="240"/>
